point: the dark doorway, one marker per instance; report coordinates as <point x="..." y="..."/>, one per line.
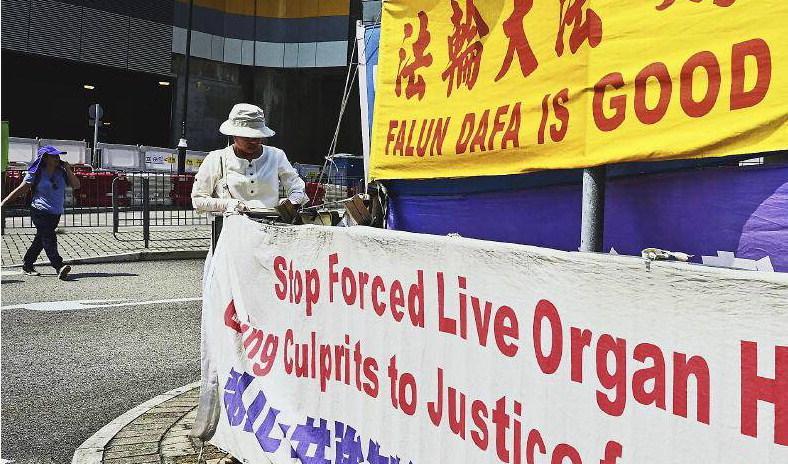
<point x="49" y="98"/>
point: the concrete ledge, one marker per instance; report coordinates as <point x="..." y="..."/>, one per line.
<point x="153" y="255"/>
<point x="92" y="450"/>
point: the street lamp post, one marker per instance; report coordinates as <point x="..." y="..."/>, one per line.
<point x="182" y="145"/>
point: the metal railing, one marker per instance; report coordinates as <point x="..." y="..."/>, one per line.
<point x="113" y="199"/>
<point x="137" y="202"/>
<point x="148" y="199"/>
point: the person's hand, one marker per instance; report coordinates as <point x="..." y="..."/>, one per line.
<point x="241" y="207"/>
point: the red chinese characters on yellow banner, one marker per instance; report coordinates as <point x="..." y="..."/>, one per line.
<point x="470" y="87"/>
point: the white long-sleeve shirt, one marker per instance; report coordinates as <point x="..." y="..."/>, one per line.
<point x="224" y="180"/>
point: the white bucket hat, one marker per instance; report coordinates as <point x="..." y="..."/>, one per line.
<point x="246" y="120"/>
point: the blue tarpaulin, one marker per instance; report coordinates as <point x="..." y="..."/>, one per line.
<point x="702" y="211"/>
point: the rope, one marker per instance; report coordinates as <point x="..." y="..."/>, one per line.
<point x="350" y="79"/>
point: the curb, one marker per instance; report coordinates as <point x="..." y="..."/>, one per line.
<point x="129" y="257"/>
<point x="92" y="450"/>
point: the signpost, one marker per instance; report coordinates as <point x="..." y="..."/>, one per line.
<point x="4" y="161"/>
<point x="96" y="112"/>
<point x="182" y="144"/>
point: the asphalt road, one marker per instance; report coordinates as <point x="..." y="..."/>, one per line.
<point x="69" y="368"/>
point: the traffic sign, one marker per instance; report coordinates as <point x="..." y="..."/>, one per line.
<point x="95" y="111"/>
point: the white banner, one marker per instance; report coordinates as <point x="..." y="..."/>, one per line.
<point x="334" y="345"/>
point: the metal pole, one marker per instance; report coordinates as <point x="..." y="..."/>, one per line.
<point x="593" y="213"/>
<point x="182" y="144"/>
<point x="115" y="212"/>
<point x="145" y="211"/>
<point x="95" y="137"/>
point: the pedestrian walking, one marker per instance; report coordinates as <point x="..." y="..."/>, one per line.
<point x="46" y="180"/>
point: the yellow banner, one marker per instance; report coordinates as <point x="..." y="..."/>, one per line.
<point x="486" y="87"/>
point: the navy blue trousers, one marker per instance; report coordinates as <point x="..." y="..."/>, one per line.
<point x="45" y="238"/>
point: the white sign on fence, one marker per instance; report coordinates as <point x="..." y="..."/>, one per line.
<point x="167" y="160"/>
<point x="357" y="345"/>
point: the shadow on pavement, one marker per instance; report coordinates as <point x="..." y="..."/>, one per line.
<point x="82" y="275"/>
<point x="11" y="281"/>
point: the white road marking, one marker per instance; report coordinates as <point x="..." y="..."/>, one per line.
<point x="76" y="305"/>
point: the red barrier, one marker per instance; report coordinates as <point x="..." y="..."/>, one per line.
<point x="96" y="189"/>
<point x="316" y="192"/>
<point x="11" y="181"/>
<point x="181" y="192"/>
<point x="81" y="168"/>
<point x="122" y="190"/>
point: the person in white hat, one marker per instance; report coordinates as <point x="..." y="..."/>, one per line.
<point x="243" y="176"/>
<point x="247" y="174"/>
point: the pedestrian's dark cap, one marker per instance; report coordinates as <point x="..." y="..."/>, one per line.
<point x="50" y="150"/>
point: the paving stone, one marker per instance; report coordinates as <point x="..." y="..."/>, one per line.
<point x="133" y="440"/>
<point x="120" y="451"/>
<point x="192" y="458"/>
<point x="148" y="420"/>
<point x="182" y="435"/>
<point x="87" y="242"/>
<point x="135" y="459"/>
<point x="189" y="459"/>
<point x="157" y="415"/>
<point x="181" y="449"/>
<point x="172" y="409"/>
<point x="175" y="440"/>
<point x="181" y="432"/>
<point x="134" y="433"/>
<point x="140" y="429"/>
<point x="183" y="401"/>
<point x="219" y="461"/>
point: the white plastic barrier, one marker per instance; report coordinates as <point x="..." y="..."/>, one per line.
<point x="21" y="150"/>
<point x="76" y="150"/>
<point x="113" y="156"/>
<point x="126" y="157"/>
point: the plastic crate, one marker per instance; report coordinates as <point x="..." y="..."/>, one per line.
<point x="346" y="169"/>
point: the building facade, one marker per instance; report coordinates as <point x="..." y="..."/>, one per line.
<point x="288" y="56"/>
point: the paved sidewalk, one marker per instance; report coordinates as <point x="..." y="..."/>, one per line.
<point x="160" y="434"/>
<point x="88" y="242"/>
